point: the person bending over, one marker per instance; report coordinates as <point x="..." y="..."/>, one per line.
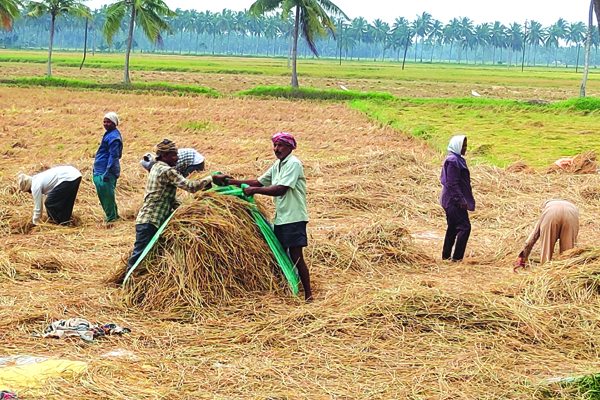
<point x="60" y="185"/>
<point x="559" y="221"/>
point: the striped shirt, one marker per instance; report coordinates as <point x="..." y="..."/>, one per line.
<point x="161" y="191"/>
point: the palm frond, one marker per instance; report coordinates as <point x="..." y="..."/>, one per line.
<point x="259" y="7"/>
<point x="114" y="15"/>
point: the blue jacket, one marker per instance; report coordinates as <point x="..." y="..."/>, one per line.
<point x="456" y="180"/>
<point x="107" y="158"/>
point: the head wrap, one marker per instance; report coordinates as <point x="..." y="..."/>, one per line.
<point x="24" y="182"/>
<point x="285" y="138"/>
<point x="148" y="161"/>
<point x="113" y="117"/>
<point x="456" y="144"/>
<point x="166" y="146"/>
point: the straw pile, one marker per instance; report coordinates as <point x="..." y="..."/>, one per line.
<point x="584" y="163"/>
<point x="211" y="252"/>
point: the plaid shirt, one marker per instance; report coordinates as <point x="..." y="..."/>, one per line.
<point x="161" y="190"/>
<point x="187" y="158"/>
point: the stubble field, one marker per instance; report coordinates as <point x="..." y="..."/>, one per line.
<point x="390" y="319"/>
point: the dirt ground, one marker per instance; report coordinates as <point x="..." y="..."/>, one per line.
<point x="388" y="321"/>
<point x="231" y="83"/>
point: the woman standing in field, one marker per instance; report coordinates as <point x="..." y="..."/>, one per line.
<point x="457" y="199"/>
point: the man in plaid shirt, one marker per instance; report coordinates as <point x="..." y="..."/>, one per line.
<point x="160" y="198"/>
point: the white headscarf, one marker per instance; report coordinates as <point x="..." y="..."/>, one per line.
<point x="113" y="117"/>
<point x="456" y="144"/>
<point x="24" y="182"/>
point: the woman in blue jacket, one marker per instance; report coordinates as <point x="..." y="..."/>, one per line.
<point x="457" y="199"/>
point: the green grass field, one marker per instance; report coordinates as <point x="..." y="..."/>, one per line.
<point x="499" y="134"/>
<point x="501" y="130"/>
<point x="539" y="76"/>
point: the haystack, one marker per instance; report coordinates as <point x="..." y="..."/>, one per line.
<point x="210" y="253"/>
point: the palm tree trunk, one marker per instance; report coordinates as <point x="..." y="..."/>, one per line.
<point x="450" y="55"/>
<point x="405" y="50"/>
<point x="494" y="56"/>
<point x="422" y="45"/>
<point x="295" y="48"/>
<point x="577" y="61"/>
<point x="588" y="47"/>
<point x="534" y="51"/>
<point x="49" y="70"/>
<point x="431" y="58"/>
<point x="126" y="79"/>
<point x="84" y="43"/>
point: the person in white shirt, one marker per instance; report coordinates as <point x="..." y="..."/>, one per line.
<point x="60" y="185"/>
<point x="190" y="160"/>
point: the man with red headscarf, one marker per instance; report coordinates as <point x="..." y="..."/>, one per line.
<point x="285" y="181"/>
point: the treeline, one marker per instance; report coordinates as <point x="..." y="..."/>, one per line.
<point x="424" y="39"/>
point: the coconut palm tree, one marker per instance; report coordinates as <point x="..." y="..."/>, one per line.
<point x="535" y="37"/>
<point x="422" y="26"/>
<point x="56" y="8"/>
<point x="482" y="38"/>
<point x="450" y="33"/>
<point x="312" y="18"/>
<point x="497" y="38"/>
<point x="149" y="14"/>
<point x="575" y="34"/>
<point x="515" y="38"/>
<point x="554" y="34"/>
<point x="466" y="36"/>
<point x="9" y="11"/>
<point x="435" y="35"/>
<point x="358" y="30"/>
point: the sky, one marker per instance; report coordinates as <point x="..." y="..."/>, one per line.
<point x="506" y="11"/>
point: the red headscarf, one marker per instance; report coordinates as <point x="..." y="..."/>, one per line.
<point x="284" y="138"/>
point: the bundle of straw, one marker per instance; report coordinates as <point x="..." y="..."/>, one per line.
<point x="211" y="252"/>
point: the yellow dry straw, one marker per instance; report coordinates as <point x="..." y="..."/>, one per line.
<point x="211" y="252"/>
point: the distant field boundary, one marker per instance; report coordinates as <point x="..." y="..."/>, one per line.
<point x="585" y="104"/>
<point x="135" y="87"/>
<point x="313" y="94"/>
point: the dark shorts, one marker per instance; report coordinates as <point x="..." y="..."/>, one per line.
<point x="195" y="167"/>
<point x="292" y="235"/>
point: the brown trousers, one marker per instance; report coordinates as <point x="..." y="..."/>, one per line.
<point x="559" y="221"/>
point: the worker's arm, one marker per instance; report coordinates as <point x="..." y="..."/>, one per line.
<point x="529" y="243"/>
<point x="187" y="184"/>
<point x="38" y="203"/>
<point x="278" y="190"/>
<point x="249" y="182"/>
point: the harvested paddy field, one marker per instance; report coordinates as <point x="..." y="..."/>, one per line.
<point x="390" y="319"/>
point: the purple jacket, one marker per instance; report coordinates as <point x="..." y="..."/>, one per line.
<point x="456" y="180"/>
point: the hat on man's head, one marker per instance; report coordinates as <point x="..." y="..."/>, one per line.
<point x="113" y="117"/>
<point x="24" y="182"/>
<point x="166" y="146"/>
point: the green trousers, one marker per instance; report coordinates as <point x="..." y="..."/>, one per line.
<point x="106" y="194"/>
